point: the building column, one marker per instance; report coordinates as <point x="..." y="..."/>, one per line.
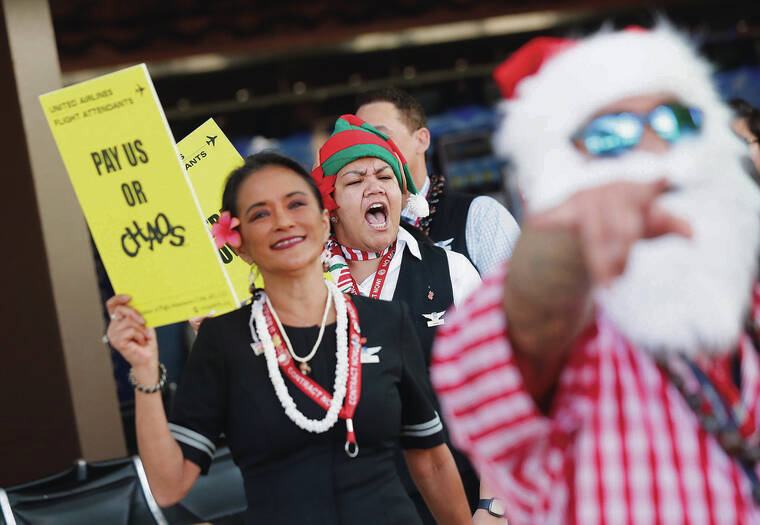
<point x="56" y="379"/>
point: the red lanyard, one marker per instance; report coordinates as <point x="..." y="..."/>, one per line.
<point x="315" y="392"/>
<point x="380" y="275"/>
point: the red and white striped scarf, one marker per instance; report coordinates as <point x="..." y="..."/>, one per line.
<point x="338" y="265"/>
<point x="360" y="255"/>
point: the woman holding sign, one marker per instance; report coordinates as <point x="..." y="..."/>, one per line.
<point x="312" y="389"/>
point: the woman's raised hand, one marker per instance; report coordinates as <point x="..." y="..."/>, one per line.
<point x="128" y="334"/>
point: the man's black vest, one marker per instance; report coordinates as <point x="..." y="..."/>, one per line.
<point x="450" y="220"/>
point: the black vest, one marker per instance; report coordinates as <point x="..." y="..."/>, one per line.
<point x="450" y="220"/>
<point x="425" y="286"/>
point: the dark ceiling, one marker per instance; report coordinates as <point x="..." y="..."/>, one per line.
<point x="95" y="33"/>
<point x="289" y="65"/>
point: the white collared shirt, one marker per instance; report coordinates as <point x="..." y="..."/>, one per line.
<point x="425" y="187"/>
<point x="490" y="231"/>
<point x="464" y="276"/>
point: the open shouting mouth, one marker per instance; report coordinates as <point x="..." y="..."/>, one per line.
<point x="377" y="216"/>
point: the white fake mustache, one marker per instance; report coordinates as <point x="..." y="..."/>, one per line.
<point x="688" y="295"/>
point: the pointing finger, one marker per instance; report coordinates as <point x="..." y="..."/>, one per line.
<point x="660" y="222"/>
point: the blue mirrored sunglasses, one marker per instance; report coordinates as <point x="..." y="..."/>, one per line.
<point x="613" y="134"/>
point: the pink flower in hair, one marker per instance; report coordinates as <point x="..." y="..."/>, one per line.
<point x="326" y="186"/>
<point x="224" y="231"/>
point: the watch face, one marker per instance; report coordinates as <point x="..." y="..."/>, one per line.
<point x="496" y="507"/>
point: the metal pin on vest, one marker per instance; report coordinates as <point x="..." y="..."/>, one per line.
<point x="434" y="318"/>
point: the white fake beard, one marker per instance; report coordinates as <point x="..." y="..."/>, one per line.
<point x="678" y="294"/>
<point x="690" y="295"/>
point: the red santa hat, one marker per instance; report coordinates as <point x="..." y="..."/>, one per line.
<point x="553" y="86"/>
<point x="527" y="61"/>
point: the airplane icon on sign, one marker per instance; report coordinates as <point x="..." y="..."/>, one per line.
<point x="139" y="89"/>
<point x="211" y="140"/>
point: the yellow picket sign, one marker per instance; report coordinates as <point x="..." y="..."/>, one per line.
<point x="136" y="197"/>
<point x="209" y="157"/>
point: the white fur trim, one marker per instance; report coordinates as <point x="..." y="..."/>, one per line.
<point x="417" y="205"/>
<point x="552" y="104"/>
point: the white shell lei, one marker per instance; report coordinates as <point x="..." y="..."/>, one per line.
<point x="260" y="328"/>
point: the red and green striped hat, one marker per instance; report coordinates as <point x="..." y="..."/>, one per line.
<point x="355" y="139"/>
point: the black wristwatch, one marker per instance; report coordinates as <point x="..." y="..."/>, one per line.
<point x="493" y="506"/>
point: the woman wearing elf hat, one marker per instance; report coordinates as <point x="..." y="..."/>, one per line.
<point x="363" y="178"/>
<point x="277" y="377"/>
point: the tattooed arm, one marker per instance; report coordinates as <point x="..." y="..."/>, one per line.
<point x="547" y="302"/>
<point x="560" y="256"/>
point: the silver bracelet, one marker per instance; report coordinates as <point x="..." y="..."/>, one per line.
<point x="149" y="389"/>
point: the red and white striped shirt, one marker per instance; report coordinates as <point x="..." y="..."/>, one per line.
<point x="620" y="444"/>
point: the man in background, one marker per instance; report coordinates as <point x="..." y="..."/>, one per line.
<point x="476" y="226"/>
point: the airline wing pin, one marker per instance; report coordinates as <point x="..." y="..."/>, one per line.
<point x="434" y="318"/>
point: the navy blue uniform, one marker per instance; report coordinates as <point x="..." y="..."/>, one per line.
<point x="291" y="475"/>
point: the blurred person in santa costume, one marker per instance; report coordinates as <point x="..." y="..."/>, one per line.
<point x="609" y="374"/>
